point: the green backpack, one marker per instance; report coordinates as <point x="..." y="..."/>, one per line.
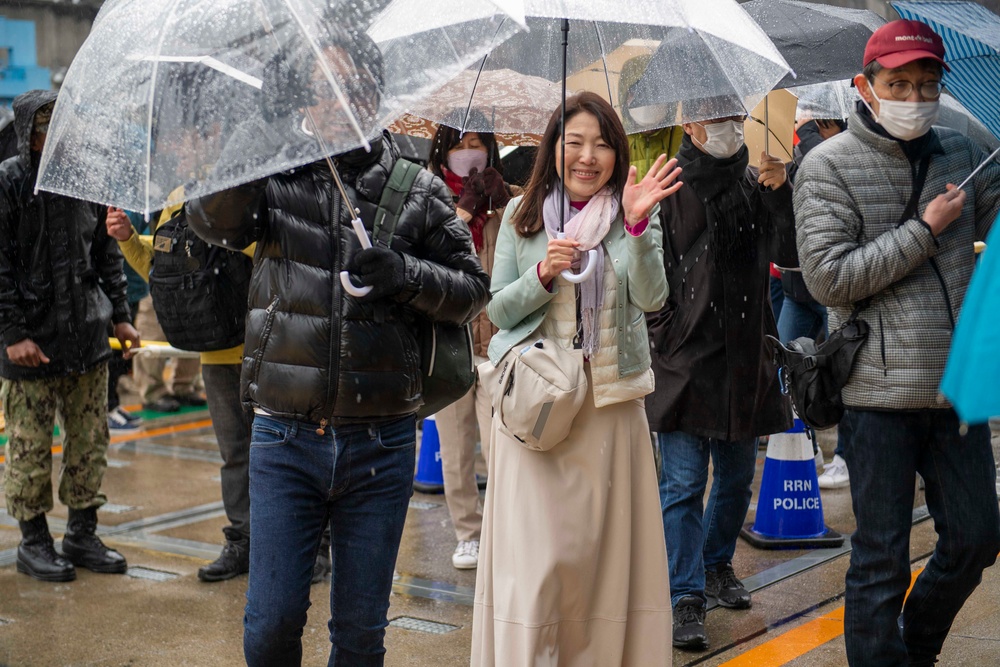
<point x="446" y="360"/>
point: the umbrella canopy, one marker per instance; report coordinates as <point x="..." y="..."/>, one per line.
<point x="971" y="35"/>
<point x="513" y="100"/>
<point x="176" y="100"/>
<point x="697" y="75"/>
<point x="820" y="42"/>
<point x="833" y="99"/>
<point x="605" y="37"/>
<point x="770" y="127"/>
<point x="970" y="377"/>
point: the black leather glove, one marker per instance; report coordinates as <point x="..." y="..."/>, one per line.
<point x="382" y="269"/>
<point x="472" y="192"/>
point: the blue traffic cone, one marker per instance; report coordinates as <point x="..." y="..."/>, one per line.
<point x="429" y="477"/>
<point x="789" y="508"/>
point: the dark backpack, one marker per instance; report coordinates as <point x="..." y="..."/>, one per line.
<point x="199" y="290"/>
<point x="446" y="360"/>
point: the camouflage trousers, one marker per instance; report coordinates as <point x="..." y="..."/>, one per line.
<point x="30" y="407"/>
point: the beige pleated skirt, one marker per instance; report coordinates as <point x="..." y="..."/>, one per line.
<point x="573" y="564"/>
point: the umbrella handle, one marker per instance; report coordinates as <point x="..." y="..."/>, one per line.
<point x="345" y="277"/>
<point x="588" y="269"/>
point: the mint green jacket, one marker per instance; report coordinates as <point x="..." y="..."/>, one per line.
<point x="520" y="301"/>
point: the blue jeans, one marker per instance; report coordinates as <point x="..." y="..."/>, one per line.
<point x="777" y="296"/>
<point x="698" y="539"/>
<point x="801" y="319"/>
<point x="359" y="478"/>
<point x="884" y="451"/>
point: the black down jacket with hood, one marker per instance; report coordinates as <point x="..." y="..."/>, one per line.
<point x="313" y="352"/>
<point x="61" y="280"/>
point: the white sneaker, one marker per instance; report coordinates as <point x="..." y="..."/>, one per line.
<point x="835" y="476"/>
<point x="466" y="556"/>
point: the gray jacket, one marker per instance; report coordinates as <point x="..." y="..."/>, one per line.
<point x="850" y="193"/>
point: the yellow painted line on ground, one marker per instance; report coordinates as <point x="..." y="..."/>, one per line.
<point x="165" y="430"/>
<point x="147" y="433"/>
<point x="798" y="641"/>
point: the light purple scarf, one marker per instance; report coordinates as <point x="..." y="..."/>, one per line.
<point x="589" y="226"/>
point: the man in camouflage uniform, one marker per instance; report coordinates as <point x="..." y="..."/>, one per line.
<point x="61" y="284"/>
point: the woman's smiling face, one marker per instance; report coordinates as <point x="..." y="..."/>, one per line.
<point x="590" y="160"/>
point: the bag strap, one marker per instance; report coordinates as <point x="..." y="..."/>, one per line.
<point x="688" y="261"/>
<point x="919" y="178"/>
<point x="394" y="195"/>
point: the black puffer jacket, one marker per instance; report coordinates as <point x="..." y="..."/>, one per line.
<point x="312" y="352"/>
<point x="61" y="280"/>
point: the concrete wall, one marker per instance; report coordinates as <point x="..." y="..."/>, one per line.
<point x="60" y="28"/>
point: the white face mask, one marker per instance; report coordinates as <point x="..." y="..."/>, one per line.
<point x="905" y="120"/>
<point x="724" y="139"/>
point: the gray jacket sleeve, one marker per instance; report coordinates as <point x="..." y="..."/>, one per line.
<point x="840" y="268"/>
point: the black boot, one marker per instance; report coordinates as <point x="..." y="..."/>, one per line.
<point x="84" y="549"/>
<point x="37" y="556"/>
<point x="232" y="562"/>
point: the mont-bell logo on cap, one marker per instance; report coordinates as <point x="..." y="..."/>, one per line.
<point x="914" y="38"/>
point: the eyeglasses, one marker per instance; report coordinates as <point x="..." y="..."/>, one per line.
<point x="902" y="90"/>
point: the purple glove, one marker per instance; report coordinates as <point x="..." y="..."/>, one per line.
<point x="473" y="189"/>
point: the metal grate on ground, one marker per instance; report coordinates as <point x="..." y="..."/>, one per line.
<point x="112" y="508"/>
<point x="139" y="572"/>
<point x="423" y="505"/>
<point x="422" y="625"/>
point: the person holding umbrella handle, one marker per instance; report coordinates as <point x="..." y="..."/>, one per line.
<point x="545" y="526"/>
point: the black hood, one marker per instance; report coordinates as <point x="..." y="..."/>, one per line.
<point x="25" y="108"/>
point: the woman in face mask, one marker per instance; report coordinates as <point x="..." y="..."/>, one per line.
<point x="470" y="164"/>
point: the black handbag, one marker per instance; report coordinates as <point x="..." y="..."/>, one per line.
<point x="813" y="375"/>
<point x="446" y="361"/>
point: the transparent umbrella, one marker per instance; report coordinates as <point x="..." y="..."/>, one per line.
<point x="587" y="44"/>
<point x="168" y="101"/>
<point x="697" y="76"/>
<point x="606" y="38"/>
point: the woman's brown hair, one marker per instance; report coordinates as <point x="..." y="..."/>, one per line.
<point x="445" y="139"/>
<point x="527" y="220"/>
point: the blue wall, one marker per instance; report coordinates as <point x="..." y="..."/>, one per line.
<point x="19" y="71"/>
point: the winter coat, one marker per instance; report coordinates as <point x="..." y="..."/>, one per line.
<point x="714" y="372"/>
<point x="482" y="328"/>
<point x="312" y="352"/>
<point x="61" y="279"/>
<point x="645" y="147"/>
<point x="849" y="197"/>
<point x="520" y="301"/>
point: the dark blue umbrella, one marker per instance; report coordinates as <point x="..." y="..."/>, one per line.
<point x="971" y="35"/>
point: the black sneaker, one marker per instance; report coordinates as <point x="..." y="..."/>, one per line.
<point x="728" y="591"/>
<point x="164" y="404"/>
<point x="689" y="624"/>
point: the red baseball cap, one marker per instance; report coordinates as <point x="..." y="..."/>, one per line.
<point x="903" y="41"/>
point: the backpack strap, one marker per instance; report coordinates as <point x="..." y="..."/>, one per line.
<point x="394" y="195"/>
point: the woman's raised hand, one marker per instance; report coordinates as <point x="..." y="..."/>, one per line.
<point x="661" y="182"/>
<point x="558" y="258"/>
